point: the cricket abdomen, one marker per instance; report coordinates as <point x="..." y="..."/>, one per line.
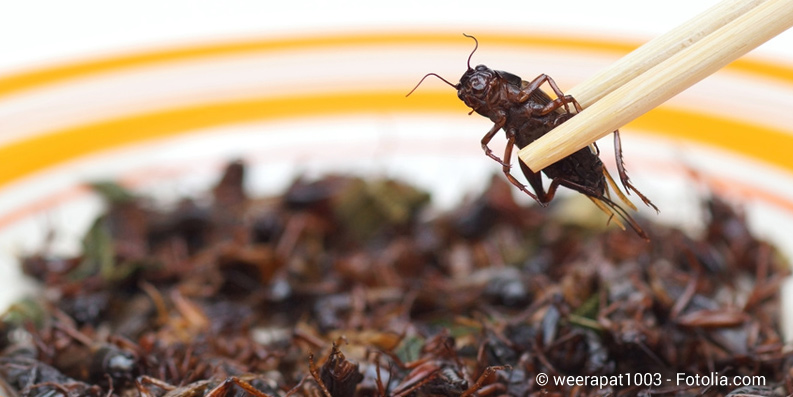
<point x="582" y="167"/>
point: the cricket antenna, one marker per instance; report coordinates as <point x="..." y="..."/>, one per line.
<point x="472" y="52"/>
<point x="456" y="86"/>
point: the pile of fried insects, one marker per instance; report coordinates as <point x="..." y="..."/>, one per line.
<point x="343" y="287"/>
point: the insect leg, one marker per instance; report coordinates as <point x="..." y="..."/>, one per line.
<point x="624" y="174"/>
<point x="535" y="180"/>
<point x="599" y="196"/>
<point x="511" y="178"/>
<point x="595" y="195"/>
<point x="144" y="391"/>
<point x="545" y="196"/>
<point x="487" y="373"/>
<point x="228" y="385"/>
<point x="561" y="98"/>
<point x="489" y="136"/>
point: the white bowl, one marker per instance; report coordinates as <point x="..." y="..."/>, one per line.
<point x="163" y="122"/>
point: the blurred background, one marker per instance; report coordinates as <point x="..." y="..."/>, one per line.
<point x="159" y="95"/>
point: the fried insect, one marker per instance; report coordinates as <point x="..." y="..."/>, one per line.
<point x="232" y="385"/>
<point x="526" y="113"/>
<point x="338" y="377"/>
<point x="473" y="302"/>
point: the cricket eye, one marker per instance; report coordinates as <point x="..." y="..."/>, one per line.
<point x="478" y="83"/>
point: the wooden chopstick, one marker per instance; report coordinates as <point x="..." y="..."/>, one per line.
<point x="658" y="50"/>
<point x="658" y="83"/>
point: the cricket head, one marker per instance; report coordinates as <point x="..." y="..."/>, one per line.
<point x="479" y="86"/>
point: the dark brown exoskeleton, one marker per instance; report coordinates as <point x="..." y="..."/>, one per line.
<point x="525" y="113"/>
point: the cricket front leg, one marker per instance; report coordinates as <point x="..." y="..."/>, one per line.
<point x="561" y="98"/>
<point x="489" y="136"/>
<point x="559" y="102"/>
<point x="626" y="182"/>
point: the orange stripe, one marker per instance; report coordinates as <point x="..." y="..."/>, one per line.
<point x="21" y="158"/>
<point x="26" y="157"/>
<point x="766" y="144"/>
<point x="55" y="74"/>
<point x="35" y="154"/>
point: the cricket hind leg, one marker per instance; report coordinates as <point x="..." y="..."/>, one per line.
<point x="506" y="168"/>
<point x="624" y="174"/>
<point x="540" y="195"/>
<point x="545" y="196"/>
<point x="604" y="203"/>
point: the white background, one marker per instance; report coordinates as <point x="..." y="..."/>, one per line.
<point x="39" y="32"/>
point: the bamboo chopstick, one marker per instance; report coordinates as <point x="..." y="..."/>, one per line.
<point x="658" y="49"/>
<point x="660" y="82"/>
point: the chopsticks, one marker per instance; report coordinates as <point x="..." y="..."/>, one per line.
<point x="659" y="70"/>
